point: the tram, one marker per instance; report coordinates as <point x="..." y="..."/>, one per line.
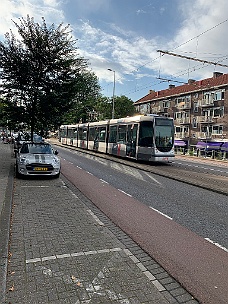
<point x="142" y="137"/>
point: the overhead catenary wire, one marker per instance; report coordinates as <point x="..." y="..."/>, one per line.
<point x="192" y="58"/>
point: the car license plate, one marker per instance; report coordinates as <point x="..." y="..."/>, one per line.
<point x="40" y="169"/>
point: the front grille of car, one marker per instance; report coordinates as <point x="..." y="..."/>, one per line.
<point x="31" y="168"/>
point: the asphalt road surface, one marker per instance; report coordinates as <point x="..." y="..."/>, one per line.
<point x="202" y="211"/>
<point x="184" y="227"/>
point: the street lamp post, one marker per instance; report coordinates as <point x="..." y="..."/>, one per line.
<point x="113" y="95"/>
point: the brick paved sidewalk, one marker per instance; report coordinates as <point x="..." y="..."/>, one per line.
<point x="64" y="250"/>
<point x="6" y="183"/>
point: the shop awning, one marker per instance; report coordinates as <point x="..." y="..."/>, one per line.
<point x="214" y="145"/>
<point x="179" y="143"/>
<point x="224" y="147"/>
<point x="201" y="145"/>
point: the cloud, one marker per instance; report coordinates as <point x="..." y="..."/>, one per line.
<point x="131" y="54"/>
<point x="15" y="9"/>
<point x="105" y="50"/>
<point x="140" y="11"/>
<point x="202" y="33"/>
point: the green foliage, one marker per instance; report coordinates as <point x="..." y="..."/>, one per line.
<point x="220" y="155"/>
<point x="123" y="106"/>
<point x="42" y="74"/>
<point x="191" y="152"/>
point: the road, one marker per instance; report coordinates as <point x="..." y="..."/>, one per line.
<point x="182" y="227"/>
<point x="202" y="211"/>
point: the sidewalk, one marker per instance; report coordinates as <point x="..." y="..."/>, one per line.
<point x="64" y="250"/>
<point x="6" y="183"/>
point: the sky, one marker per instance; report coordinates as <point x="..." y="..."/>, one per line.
<point x="125" y="36"/>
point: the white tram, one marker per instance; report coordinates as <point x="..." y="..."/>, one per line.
<point x="148" y="137"/>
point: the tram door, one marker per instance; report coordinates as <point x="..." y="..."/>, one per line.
<point x="131" y="140"/>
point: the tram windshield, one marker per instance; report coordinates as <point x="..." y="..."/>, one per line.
<point x="146" y="134"/>
<point x="164" y="134"/>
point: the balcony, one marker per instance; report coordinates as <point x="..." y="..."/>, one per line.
<point x="206" y="119"/>
<point x="182" y="120"/>
<point x="206" y="102"/>
<point x="154" y="110"/>
<point x="161" y="109"/>
<point x="182" y="135"/>
<point x="184" y="106"/>
<point x="203" y="135"/>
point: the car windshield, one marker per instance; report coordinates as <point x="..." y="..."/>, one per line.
<point x="36" y="149"/>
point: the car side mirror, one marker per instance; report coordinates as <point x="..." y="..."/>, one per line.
<point x="56" y="152"/>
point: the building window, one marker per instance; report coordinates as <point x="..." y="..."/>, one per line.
<point x="196" y="107"/>
<point x="219" y="112"/>
<point x="145" y="108"/>
<point x="177" y="129"/>
<point x="217" y="129"/>
<point x="219" y="95"/>
<point x="194" y="122"/>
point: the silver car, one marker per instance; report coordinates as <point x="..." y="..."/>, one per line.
<point x="35" y="159"/>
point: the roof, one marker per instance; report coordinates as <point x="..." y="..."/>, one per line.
<point x="192" y="86"/>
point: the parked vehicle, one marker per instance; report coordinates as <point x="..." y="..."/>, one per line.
<point x="20" y="138"/>
<point x="37" y="159"/>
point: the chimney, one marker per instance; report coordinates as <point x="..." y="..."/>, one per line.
<point x="191" y="81"/>
<point x="171" y="86"/>
<point x="151" y="91"/>
<point x="217" y="74"/>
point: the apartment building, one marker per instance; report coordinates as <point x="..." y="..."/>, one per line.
<point x="199" y="109"/>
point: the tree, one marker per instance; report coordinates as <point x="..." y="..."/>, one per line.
<point x="85" y="99"/>
<point x="10" y="115"/>
<point x="42" y="72"/>
<point x="123" y="107"/>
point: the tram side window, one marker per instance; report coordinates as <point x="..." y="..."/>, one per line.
<point x="63" y="132"/>
<point x="113" y="134"/>
<point x="132" y="133"/>
<point x="92" y="132"/>
<point x="122" y="132"/>
<point x="71" y="132"/>
<point x="146" y="133"/>
<point x="102" y="134"/>
<point x="82" y="134"/>
<point x="75" y="134"/>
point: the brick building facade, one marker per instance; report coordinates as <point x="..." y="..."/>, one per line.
<point x="199" y="109"/>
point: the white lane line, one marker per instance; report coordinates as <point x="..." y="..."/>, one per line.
<point x="125" y="192"/>
<point x="34" y="186"/>
<point x="161" y="213"/>
<point x="79" y="167"/>
<point x="151" y="177"/>
<point x="127" y="170"/>
<point x="216" y="244"/>
<point x="103" y="181"/>
<point x="89" y="173"/>
<point x="95" y="217"/>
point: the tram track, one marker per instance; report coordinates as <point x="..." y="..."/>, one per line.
<point x="209" y="181"/>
